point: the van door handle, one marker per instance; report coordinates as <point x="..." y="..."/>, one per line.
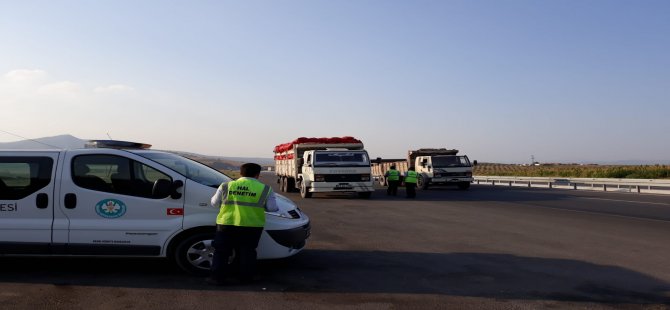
<point x="70" y="201"/>
<point x="42" y="201"/>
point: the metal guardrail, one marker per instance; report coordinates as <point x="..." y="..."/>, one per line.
<point x="655" y="186"/>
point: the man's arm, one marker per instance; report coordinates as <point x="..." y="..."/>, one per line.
<point x="220" y="194"/>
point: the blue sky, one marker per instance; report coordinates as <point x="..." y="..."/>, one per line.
<point x="565" y="81"/>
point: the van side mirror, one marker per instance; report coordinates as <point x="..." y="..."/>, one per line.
<point x="173" y="190"/>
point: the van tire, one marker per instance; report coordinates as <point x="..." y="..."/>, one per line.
<point x="195" y="253"/>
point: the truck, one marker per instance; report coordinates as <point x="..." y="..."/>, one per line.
<point x="435" y="166"/>
<point x="122" y="199"/>
<point x="323" y="165"/>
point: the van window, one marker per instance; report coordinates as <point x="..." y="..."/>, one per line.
<point x="115" y="174"/>
<point x="22" y="176"/>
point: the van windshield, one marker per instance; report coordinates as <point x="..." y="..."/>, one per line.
<point x="191" y="169"/>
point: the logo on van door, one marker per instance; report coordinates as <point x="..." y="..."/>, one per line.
<point x="110" y="208"/>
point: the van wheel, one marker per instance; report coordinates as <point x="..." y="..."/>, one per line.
<point x="195" y="253"/>
<point x="304" y="191"/>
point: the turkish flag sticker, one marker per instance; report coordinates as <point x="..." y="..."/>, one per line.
<point x="175" y="211"/>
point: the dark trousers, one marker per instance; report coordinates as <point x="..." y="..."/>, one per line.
<point x="393" y="188"/>
<point x="235" y="252"/>
<point x="411" y="189"/>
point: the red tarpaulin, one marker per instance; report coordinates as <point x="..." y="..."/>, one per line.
<point x="334" y="140"/>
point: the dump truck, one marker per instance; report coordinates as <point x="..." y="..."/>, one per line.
<point x="322" y="165"/>
<point x="435" y="166"/>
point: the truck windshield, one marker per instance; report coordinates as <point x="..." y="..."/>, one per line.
<point x="450" y="161"/>
<point x="349" y="159"/>
<point x="191" y="169"/>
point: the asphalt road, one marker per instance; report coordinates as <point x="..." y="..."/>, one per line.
<point x="489" y="247"/>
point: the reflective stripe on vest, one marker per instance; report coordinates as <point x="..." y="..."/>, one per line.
<point x="411" y="177"/>
<point x="394" y="175"/>
<point x="244" y="203"/>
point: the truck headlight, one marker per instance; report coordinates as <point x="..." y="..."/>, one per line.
<point x="319" y="178"/>
<point x="365" y="177"/>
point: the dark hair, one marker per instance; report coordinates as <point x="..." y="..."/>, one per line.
<point x="250" y="170"/>
<point x="392" y="166"/>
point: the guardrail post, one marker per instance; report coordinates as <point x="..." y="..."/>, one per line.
<point x="477" y="182"/>
<point x="550" y="185"/>
<point x="529" y="183"/>
<point x="637" y="188"/>
<point x="510" y="183"/>
<point x="604" y="187"/>
<point x="574" y="185"/>
<point x="493" y="183"/>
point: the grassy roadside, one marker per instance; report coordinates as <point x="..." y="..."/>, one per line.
<point x="575" y="171"/>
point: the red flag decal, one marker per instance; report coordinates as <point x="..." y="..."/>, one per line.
<point x="175" y="211"/>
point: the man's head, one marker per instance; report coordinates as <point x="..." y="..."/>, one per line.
<point x="250" y="170"/>
<point x="393" y="167"/>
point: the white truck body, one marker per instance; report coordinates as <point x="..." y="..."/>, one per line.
<point x="314" y="167"/>
<point x="118" y="202"/>
<point x="435" y="167"/>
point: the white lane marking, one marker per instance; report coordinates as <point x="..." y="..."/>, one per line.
<point x="630" y="201"/>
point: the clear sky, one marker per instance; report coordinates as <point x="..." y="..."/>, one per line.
<point x="570" y="80"/>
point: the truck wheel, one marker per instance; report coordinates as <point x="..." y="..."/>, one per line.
<point x="382" y="181"/>
<point x="365" y="195"/>
<point x="304" y="191"/>
<point x="422" y="183"/>
<point x="282" y="184"/>
<point x="464" y="185"/>
<point x="194" y="254"/>
<point x="290" y="185"/>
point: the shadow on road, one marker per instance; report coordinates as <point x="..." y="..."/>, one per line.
<point x="455" y="274"/>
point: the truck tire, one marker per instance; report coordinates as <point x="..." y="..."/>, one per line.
<point x="422" y="182"/>
<point x="194" y="254"/>
<point x="290" y="185"/>
<point x="304" y="191"/>
<point x="282" y="184"/>
<point x="464" y="185"/>
<point x="382" y="181"/>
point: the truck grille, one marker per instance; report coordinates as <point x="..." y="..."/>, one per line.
<point x="342" y="177"/>
<point x="450" y="174"/>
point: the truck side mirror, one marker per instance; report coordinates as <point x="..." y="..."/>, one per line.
<point x="474" y="163"/>
<point x="378" y="160"/>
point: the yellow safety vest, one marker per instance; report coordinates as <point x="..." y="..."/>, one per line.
<point x="394" y="175"/>
<point x="244" y="204"/>
<point x="411" y="177"/>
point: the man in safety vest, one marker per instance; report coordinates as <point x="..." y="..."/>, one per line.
<point x="393" y="179"/>
<point x="239" y="225"/>
<point x="410" y="182"/>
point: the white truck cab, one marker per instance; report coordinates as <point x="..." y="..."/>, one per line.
<point x="122" y="199"/>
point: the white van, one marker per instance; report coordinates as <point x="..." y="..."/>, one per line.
<point x="123" y="199"/>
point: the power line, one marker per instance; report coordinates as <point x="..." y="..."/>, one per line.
<point x="33" y="140"/>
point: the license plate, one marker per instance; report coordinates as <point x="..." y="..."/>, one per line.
<point x="343" y="186"/>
